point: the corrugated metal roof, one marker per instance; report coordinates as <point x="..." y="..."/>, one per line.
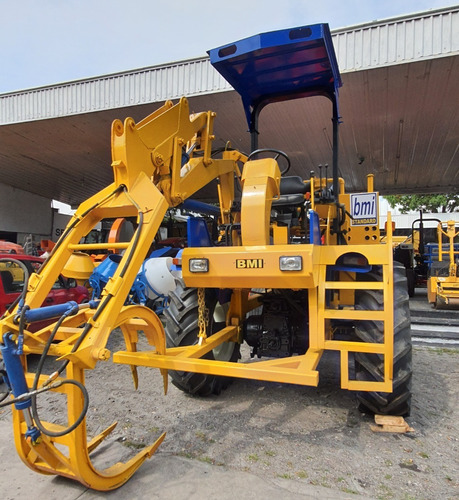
<point x="399" y="40"/>
<point x="147" y="85"/>
<point x="399" y="111"/>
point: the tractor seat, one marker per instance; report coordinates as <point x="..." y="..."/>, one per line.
<point x="292" y="191"/>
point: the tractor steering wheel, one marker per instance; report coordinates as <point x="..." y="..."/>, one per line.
<point x="277" y="152"/>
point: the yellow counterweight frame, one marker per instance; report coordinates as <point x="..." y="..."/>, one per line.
<point x="150" y="178"/>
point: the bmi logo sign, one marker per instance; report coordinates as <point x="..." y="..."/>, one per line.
<point x="364" y="209"/>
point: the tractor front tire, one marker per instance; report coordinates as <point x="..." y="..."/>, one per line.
<point x="182" y="329"/>
<point x="370" y="367"/>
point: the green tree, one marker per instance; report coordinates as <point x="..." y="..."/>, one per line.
<point x="434" y="203"/>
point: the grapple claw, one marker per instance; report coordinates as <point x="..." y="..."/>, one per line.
<point x="45" y="455"/>
<point x="66" y="453"/>
<point x="165" y="380"/>
<point x="135" y="376"/>
<point x="95" y="441"/>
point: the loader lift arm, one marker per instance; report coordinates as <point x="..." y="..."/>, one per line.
<point x="150" y="175"/>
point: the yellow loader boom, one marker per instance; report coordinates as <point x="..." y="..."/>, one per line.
<point x="302" y="256"/>
<point x="148" y="179"/>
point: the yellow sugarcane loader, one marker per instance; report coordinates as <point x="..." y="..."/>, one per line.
<point x="443" y="281"/>
<point x="297" y="269"/>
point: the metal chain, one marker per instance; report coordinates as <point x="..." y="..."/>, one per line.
<point x="203" y="315"/>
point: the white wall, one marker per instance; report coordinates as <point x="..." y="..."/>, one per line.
<point x="60" y="222"/>
<point x="24" y="213"/>
<point x="404" y="221"/>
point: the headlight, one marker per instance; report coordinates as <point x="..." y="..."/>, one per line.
<point x="291" y="263"/>
<point x="199" y="265"/>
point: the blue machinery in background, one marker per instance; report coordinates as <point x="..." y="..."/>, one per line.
<point x="143" y="291"/>
<point x="431" y="253"/>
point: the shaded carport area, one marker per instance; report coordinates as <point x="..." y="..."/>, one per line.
<point x="398" y="106"/>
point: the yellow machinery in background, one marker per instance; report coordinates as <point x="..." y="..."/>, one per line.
<point x="298" y="269"/>
<point x="443" y="282"/>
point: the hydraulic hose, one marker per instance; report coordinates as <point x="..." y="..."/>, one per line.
<point x="107" y="299"/>
<point x="48" y="385"/>
<point x="33" y="398"/>
<point x="76" y="221"/>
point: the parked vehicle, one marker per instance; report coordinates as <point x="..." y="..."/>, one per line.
<point x="12" y="277"/>
<point x="9" y="247"/>
<point x="443" y="282"/>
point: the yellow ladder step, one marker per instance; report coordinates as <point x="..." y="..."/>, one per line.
<point x="354" y="285"/>
<point x="353" y="314"/>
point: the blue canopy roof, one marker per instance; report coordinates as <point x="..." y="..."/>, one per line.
<point x="280" y="65"/>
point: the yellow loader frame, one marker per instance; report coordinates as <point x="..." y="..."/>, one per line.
<point x="148" y="179"/>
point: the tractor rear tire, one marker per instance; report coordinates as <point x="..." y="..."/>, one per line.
<point x="370" y="367"/>
<point x="182" y="329"/>
<point x="411" y="282"/>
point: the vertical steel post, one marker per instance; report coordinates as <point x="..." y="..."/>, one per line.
<point x="335" y="120"/>
<point x="254" y="129"/>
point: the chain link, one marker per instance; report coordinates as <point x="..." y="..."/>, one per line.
<point x="203" y="315"/>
